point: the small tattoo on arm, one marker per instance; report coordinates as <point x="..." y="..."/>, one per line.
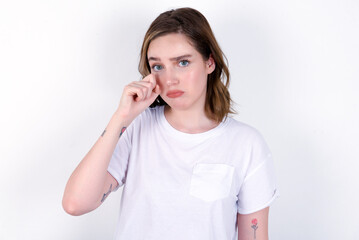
<point x="122" y="131"/>
<point x="106" y="194"/>
<point x="103" y="133"/>
<point x="254" y="226"/>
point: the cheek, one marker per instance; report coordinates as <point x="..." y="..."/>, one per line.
<point x="197" y="79"/>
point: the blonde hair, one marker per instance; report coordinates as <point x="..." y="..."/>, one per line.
<point x="195" y="26"/>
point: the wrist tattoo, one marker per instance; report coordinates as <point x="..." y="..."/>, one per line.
<point x="255" y="226"/>
<point x="105" y="195"/>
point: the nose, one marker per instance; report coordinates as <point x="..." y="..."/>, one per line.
<point x="171" y="78"/>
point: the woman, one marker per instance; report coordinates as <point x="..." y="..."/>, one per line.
<point x="188" y="170"/>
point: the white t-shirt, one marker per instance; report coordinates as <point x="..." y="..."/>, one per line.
<point x="189" y="186"/>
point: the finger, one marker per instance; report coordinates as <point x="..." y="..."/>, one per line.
<point x="135" y="91"/>
<point x="145" y="87"/>
<point x="147" y="84"/>
<point x="151" y="79"/>
<point x="157" y="89"/>
<point x="152" y="86"/>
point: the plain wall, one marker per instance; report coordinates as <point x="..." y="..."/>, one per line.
<point x="294" y="74"/>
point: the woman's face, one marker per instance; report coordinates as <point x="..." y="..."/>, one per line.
<point x="180" y="71"/>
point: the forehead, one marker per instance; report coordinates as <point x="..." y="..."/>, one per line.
<point x="170" y="46"/>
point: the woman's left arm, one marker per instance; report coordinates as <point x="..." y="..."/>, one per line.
<point x="253" y="226"/>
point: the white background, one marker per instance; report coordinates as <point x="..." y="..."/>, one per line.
<point x="294" y="66"/>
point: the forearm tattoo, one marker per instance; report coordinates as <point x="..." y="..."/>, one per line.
<point x="105" y="195"/>
<point x="122" y="131"/>
<point x="103" y="133"/>
<point x="255" y="226"/>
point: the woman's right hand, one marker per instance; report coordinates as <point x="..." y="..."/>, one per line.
<point x="137" y="96"/>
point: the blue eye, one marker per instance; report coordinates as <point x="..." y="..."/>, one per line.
<point x="157" y="67"/>
<point x="183" y="63"/>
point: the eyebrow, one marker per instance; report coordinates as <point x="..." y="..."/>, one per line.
<point x="172" y="59"/>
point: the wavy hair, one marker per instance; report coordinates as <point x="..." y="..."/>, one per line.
<point x="195" y="26"/>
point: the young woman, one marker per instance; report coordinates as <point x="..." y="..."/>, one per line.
<point x="189" y="170"/>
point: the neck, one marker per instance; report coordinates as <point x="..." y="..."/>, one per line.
<point x="189" y="121"/>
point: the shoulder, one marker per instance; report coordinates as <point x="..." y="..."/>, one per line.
<point x="239" y="128"/>
<point x="245" y="135"/>
<point x="151" y="113"/>
<point x="148" y="116"/>
<point x="143" y="122"/>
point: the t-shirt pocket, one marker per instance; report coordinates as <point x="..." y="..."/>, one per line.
<point x="211" y="181"/>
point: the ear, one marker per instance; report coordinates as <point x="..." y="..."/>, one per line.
<point x="210" y="64"/>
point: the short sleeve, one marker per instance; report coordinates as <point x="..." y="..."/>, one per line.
<point x="259" y="188"/>
<point x="120" y="157"/>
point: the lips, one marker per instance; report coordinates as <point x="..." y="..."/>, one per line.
<point x="174" y="93"/>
